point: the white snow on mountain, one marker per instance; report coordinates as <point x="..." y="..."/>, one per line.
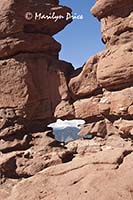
<point x="60" y="124"/>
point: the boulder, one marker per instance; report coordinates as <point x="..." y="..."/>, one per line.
<point x="41" y="151"/>
<point x="85" y="83"/>
<point x="87" y="108"/>
<point x="116" y="20"/>
<point x="32" y="18"/>
<point x="28" y="43"/>
<point x="115" y="67"/>
<point x="26" y="93"/>
<point x="125" y="126"/>
<point x="95" y="129"/>
<point x="117" y="103"/>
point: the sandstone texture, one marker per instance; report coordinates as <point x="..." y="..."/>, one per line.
<point x="16" y="12"/>
<point x="32" y="79"/>
<point x="101" y="169"/>
<point x="36" y="88"/>
<point x="103" y="88"/>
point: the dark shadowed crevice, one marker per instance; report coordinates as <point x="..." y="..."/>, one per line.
<point x="67" y="157"/>
<point x="121" y="159"/>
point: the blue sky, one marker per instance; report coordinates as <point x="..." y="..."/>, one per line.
<point x="82" y="38"/>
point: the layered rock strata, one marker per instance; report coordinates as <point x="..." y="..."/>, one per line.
<point x="32" y="83"/>
<point x="36" y="88"/>
<point x="32" y="79"/>
<point x="101" y="169"/>
<point x="103" y="89"/>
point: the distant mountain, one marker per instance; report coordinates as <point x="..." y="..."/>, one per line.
<point x="67" y="134"/>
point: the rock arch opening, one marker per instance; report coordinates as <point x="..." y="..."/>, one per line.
<point x="66" y="130"/>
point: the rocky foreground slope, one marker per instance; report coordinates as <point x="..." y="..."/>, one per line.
<point x="36" y="88"/>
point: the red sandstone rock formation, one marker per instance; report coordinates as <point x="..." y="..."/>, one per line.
<point x="36" y="88"/>
<point x="101" y="170"/>
<point x="103" y="88"/>
<point x="32" y="83"/>
<point x="32" y="79"/>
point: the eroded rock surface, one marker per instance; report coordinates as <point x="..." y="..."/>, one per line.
<point x="32" y="79"/>
<point x="36" y="88"/>
<point x="103" y="88"/>
<point x="101" y="169"/>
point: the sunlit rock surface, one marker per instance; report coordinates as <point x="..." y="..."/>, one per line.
<point x="36" y="88"/>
